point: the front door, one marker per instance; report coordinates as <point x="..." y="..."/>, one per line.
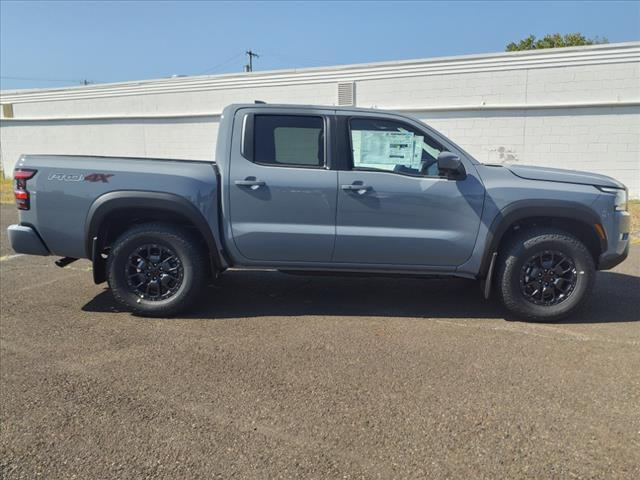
<point x="282" y="196"/>
<point x="393" y="206"/>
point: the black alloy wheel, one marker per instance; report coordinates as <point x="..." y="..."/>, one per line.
<point x="154" y="272"/>
<point x="548" y="278"/>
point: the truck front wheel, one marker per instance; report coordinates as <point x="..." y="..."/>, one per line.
<point x="544" y="275"/>
<point x="156" y="269"/>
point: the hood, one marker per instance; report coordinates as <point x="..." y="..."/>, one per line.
<point x="566" y="176"/>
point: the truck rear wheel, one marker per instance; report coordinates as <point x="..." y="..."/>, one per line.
<point x="544" y="275"/>
<point x="156" y="269"/>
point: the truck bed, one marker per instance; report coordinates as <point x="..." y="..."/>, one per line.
<point x="66" y="187"/>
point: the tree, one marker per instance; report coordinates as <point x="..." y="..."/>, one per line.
<point x="554" y="40"/>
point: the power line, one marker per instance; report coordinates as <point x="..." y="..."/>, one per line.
<point x="84" y="81"/>
<point x="248" y="68"/>
<point x="316" y="61"/>
<point x="41" y="79"/>
<point x="222" y="64"/>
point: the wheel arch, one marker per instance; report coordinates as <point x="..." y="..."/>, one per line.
<point x="114" y="212"/>
<point x="575" y="218"/>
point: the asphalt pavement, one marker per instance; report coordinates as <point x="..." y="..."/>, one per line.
<point x="275" y="376"/>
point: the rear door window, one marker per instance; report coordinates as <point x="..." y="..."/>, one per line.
<point x="289" y="140"/>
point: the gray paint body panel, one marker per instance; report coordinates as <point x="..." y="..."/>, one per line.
<point x="24" y="239"/>
<point x="566" y="176"/>
<point x="404" y="220"/>
<point x="504" y="188"/>
<point x="59" y="207"/>
<point x="291" y="218"/>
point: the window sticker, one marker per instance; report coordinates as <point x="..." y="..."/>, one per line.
<point x="418" y="147"/>
<point x="386" y="150"/>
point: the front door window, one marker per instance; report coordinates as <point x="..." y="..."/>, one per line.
<point x="387" y="145"/>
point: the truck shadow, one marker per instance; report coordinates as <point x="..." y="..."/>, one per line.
<point x="242" y="294"/>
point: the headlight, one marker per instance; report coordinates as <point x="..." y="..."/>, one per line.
<point x="621" y="200"/>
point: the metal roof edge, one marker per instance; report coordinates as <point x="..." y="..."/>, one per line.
<point x="545" y="58"/>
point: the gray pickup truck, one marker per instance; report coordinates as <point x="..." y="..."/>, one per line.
<point x="306" y="189"/>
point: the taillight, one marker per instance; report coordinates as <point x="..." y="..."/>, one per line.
<point x="23" y="174"/>
<point x="21" y="193"/>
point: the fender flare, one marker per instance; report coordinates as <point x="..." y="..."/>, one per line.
<point x="520" y="210"/>
<point x="169" y="202"/>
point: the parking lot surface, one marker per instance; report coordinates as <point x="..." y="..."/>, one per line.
<point x="275" y="376"/>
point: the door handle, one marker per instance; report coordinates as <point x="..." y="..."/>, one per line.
<point x="250" y="183"/>
<point x="354" y="187"/>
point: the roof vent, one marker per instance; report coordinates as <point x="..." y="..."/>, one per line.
<point x="346" y="94"/>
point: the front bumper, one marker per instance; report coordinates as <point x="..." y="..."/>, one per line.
<point x="610" y="260"/>
<point x="24" y="239"/>
<point x="618" y="242"/>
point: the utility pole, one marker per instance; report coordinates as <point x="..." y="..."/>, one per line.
<point x="250" y="54"/>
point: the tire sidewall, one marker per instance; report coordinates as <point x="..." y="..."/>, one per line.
<point x="511" y="281"/>
<point x="170" y="238"/>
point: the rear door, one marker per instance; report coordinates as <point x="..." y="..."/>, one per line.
<point x="394" y="208"/>
<point x="282" y="194"/>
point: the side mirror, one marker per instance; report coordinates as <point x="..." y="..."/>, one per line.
<point x="450" y="165"/>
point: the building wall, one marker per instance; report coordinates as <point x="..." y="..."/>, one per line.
<point x="573" y="108"/>
<point x="603" y="140"/>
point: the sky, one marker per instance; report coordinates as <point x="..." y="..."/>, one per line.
<point x="56" y="44"/>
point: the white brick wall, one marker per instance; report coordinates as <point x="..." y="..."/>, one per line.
<point x="602" y="140"/>
<point x="169" y="138"/>
<point x="573" y="108"/>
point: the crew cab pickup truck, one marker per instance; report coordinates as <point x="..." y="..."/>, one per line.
<point x="305" y="189"/>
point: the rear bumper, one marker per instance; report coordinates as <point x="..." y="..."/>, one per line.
<point x="24" y="239"/>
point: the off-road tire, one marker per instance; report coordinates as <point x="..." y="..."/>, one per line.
<point x="522" y="247"/>
<point x="187" y="248"/>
